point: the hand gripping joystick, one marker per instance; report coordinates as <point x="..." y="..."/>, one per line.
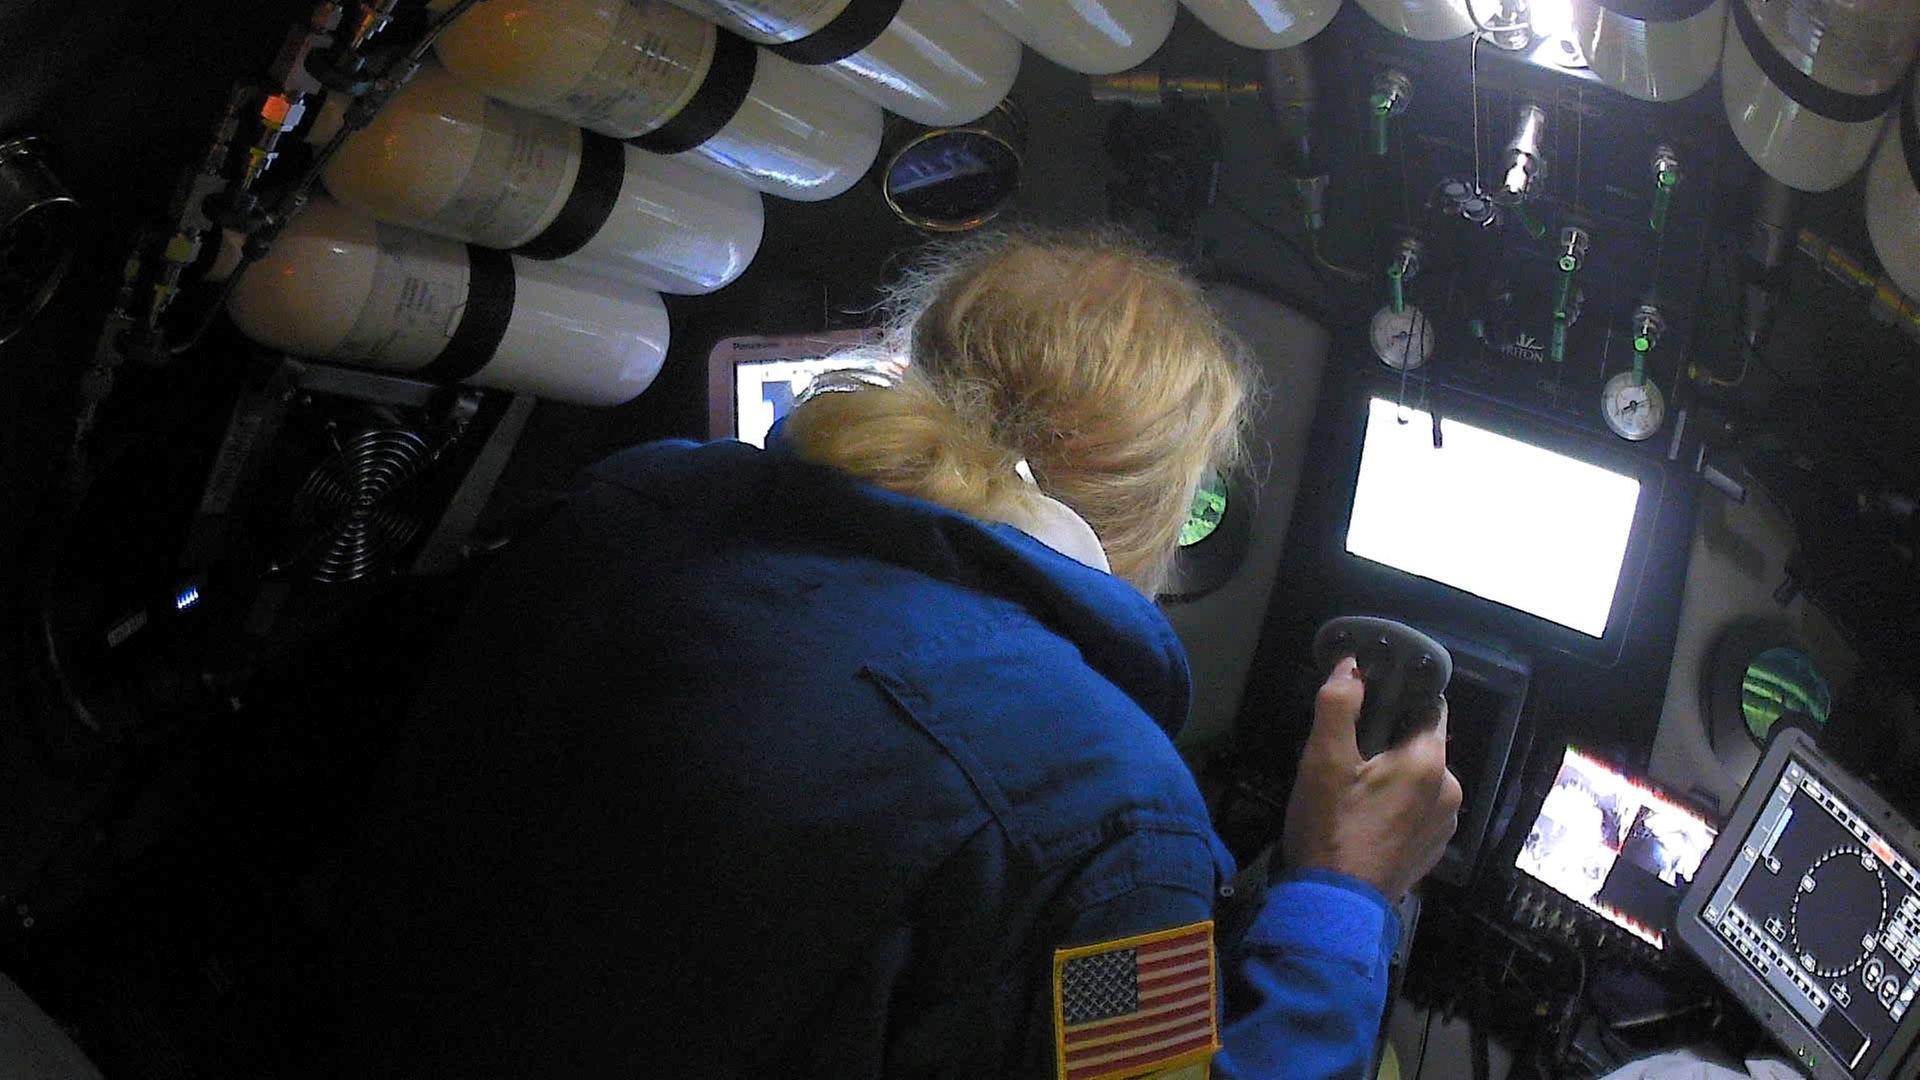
<point x="1405" y="672"/>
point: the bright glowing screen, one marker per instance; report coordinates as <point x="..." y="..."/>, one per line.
<point x="1502" y="519"/>
<point x="1616" y="846"/>
<point x="765" y="390"/>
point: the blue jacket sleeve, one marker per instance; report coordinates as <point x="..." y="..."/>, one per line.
<point x="1303" y="989"/>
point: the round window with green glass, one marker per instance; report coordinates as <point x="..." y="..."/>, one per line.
<point x="1208" y="510"/>
<point x="1779" y="681"/>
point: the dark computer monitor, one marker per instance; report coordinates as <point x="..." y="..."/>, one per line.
<point x="1808" y="910"/>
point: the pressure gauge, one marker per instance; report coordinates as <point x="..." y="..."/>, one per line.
<point x="1403" y="340"/>
<point x="1634" y="410"/>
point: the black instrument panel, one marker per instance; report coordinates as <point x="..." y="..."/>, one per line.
<point x="1808" y="909"/>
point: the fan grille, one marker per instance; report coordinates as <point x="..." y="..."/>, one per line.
<point x="351" y="513"/>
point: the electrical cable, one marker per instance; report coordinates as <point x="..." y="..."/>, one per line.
<point x="1417" y="325"/>
<point x="1473" y="97"/>
<point x="1559" y="1035"/>
<point x="1420" y="1062"/>
<point x="1313" y="243"/>
<point x="1281" y="235"/>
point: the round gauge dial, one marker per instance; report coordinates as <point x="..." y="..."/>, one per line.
<point x="1633" y="411"/>
<point x="1846" y="901"/>
<point x="1403" y="340"/>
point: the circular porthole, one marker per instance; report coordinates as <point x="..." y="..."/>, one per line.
<point x="1213" y="539"/>
<point x="956" y="178"/>
<point x="1208" y="511"/>
<point x="1779" y="681"/>
<point x="1758" y="677"/>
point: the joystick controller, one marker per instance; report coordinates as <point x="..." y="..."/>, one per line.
<point x="1405" y="672"/>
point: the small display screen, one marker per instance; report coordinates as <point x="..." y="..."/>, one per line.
<point x="1821" y="908"/>
<point x="764" y="390"/>
<point x="1615" y="845"/>
<point x="1502" y="519"/>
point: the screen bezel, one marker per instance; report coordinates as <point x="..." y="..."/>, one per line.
<point x="1704" y="942"/>
<point x="727" y="354"/>
<point x="1466" y="612"/>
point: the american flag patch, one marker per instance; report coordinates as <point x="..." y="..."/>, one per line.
<point x="1138" y="1006"/>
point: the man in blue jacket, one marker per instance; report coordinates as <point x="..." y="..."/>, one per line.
<point x="852" y="757"/>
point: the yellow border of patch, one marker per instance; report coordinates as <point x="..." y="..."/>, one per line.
<point x="1192" y="1057"/>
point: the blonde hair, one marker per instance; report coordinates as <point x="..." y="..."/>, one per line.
<point x="1101" y="366"/>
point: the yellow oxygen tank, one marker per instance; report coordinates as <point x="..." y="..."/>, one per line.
<point x="646" y="71"/>
<point x="341" y="287"/>
<point x="1265" y="24"/>
<point x="1655" y="50"/>
<point x="1093" y="37"/>
<point x="1893" y="196"/>
<point x="1422" y="20"/>
<point x="1807" y="83"/>
<point x="443" y="158"/>
<point x="935" y="62"/>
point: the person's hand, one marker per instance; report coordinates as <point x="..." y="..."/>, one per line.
<point x="1386" y="819"/>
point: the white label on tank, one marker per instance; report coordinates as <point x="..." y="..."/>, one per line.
<point x="769" y="22"/>
<point x="515" y="179"/>
<point x="419" y="292"/>
<point x="650" y="69"/>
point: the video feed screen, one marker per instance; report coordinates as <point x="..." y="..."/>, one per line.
<point x="1502" y="519"/>
<point x="1616" y="846"/>
<point x="1823" y="910"/>
<point x="765" y="390"/>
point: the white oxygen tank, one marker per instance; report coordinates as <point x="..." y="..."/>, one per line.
<point x="1893" y="196"/>
<point x="1806" y="83"/>
<point x="673" y="83"/>
<point x="340" y="287"/>
<point x="1265" y="24"/>
<point x="444" y="158"/>
<point x="935" y="62"/>
<point x="1655" y="50"/>
<point x="1093" y="37"/>
<point x="1423" y="20"/>
<point x="448" y="160"/>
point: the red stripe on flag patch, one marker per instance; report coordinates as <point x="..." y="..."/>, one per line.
<point x="1142" y="1062"/>
<point x="1134" y="1005"/>
<point x="1148" y="1027"/>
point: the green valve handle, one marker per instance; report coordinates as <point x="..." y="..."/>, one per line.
<point x="1558" y="347"/>
<point x="1666" y="176"/>
<point x="1534" y="228"/>
<point x="1563" y="292"/>
<point x="1662" y="199"/>
<point x="1396" y="276"/>
<point x="1640" y="346"/>
<point x="1382" y="123"/>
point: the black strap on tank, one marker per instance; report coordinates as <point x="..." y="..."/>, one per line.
<point x="1658" y="11"/>
<point x="853" y="29"/>
<point x="1803" y="89"/>
<point x="1910" y="128"/>
<point x="714" y="104"/>
<point x="603" y="169"/>
<point x="483" y="323"/>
